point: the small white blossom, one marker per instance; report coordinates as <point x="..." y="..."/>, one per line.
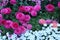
<point x="4" y="37"/>
<point x="44" y="24"/>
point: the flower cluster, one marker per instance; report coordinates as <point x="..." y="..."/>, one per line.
<point x="48" y="21"/>
<point x="31" y="9"/>
<point x="52" y="34"/>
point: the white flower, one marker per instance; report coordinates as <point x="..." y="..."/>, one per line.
<point x="18" y="38"/>
<point x="23" y="38"/>
<point x="7" y="33"/>
<point x="0" y="34"/>
<point x="13" y="37"/>
<point x="27" y="33"/>
<point x="4" y="37"/>
<point x="31" y="37"/>
<point x="44" y="24"/>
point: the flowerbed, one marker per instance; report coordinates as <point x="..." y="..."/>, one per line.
<point x="44" y="34"/>
<point x="18" y="18"/>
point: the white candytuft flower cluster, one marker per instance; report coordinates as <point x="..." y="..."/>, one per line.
<point x="48" y="33"/>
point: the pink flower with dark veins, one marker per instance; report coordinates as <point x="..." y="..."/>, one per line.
<point x="20" y="16"/>
<point x="14" y="25"/>
<point x="50" y="7"/>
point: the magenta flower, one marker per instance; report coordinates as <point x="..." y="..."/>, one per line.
<point x="25" y="8"/>
<point x="20" y="16"/>
<point x="23" y="29"/>
<point x="58" y="4"/>
<point x="50" y="7"/>
<point x="33" y="13"/>
<point x="28" y="8"/>
<point x="37" y="7"/>
<point x="7" y="24"/>
<point x="27" y="17"/>
<point x="3" y="21"/>
<point x="24" y="24"/>
<point x="48" y="21"/>
<point x="14" y="25"/>
<point x="22" y="21"/>
<point x="1" y="17"/>
<point x="22" y="8"/>
<point x="20" y="30"/>
<point x="17" y="31"/>
<point x="13" y="2"/>
<point x="6" y="11"/>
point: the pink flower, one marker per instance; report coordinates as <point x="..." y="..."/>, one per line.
<point x="25" y="8"/>
<point x="24" y="24"/>
<point x="14" y="25"/>
<point x="6" y="11"/>
<point x="3" y="21"/>
<point x="37" y="7"/>
<point x="23" y="29"/>
<point x="21" y="8"/>
<point x="7" y="24"/>
<point x="1" y="17"/>
<point x="18" y="31"/>
<point x="20" y="16"/>
<point x="22" y="21"/>
<point x="29" y="26"/>
<point x="48" y="21"/>
<point x="54" y="24"/>
<point x="58" y="4"/>
<point x="54" y="21"/>
<point x="13" y="2"/>
<point x="28" y="8"/>
<point x="50" y="7"/>
<point x="33" y="13"/>
<point x="27" y="17"/>
<point x="42" y="21"/>
<point x="0" y="11"/>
